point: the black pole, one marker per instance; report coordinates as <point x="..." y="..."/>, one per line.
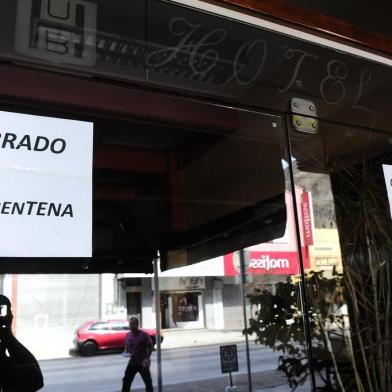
<point x="231" y="379"/>
<point x="303" y="289"/>
<point x="158" y="324"/>
<point x="243" y="281"/>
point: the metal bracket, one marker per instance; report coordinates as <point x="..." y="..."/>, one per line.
<point x="86" y="264"/>
<point x="304" y="116"/>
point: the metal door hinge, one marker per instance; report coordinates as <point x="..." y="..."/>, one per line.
<point x="304" y="116"/>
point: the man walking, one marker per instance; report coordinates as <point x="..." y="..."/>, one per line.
<point x="138" y="344"/>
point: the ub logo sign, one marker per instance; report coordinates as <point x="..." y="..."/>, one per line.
<point x="59" y="31"/>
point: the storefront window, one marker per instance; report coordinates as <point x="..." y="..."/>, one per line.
<point x="185" y="307"/>
<point x="222" y="216"/>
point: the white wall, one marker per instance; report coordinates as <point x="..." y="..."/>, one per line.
<point x="148" y="315"/>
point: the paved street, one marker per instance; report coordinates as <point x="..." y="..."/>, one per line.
<point x="184" y="369"/>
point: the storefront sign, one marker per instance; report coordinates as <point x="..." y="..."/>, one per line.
<point x="275" y="263"/>
<point x="269" y="263"/>
<point x="307" y="218"/>
<point x="326" y="261"/>
<point x="229" y="359"/>
<point x="266" y="262"/>
<point x="193" y="49"/>
<point x="388" y="182"/>
<point x="185" y="283"/>
<point x="192" y="283"/>
<point x="46" y="186"/>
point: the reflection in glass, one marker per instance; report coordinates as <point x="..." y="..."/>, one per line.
<point x="349" y="283"/>
<point x="274" y="297"/>
<point x="234" y="176"/>
<point x="185" y="307"/>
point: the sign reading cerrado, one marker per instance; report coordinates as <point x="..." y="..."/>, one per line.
<point x="46" y="186"/>
<point x="32" y="143"/>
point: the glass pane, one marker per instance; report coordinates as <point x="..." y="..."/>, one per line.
<point x="195" y="193"/>
<point x="201" y="305"/>
<point x="167" y="45"/>
<point x="275" y="311"/>
<point x="98" y="326"/>
<point x="345" y="172"/>
<point x="68" y="332"/>
<point x="177" y="189"/>
<point x="119" y="326"/>
<point x="236" y="61"/>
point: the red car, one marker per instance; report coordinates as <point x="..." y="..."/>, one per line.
<point x="96" y="335"/>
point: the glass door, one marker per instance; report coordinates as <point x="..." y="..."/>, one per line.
<point x="245" y="290"/>
<point x="344" y="177"/>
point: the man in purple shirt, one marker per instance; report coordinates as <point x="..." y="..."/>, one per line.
<point x="138" y="344"/>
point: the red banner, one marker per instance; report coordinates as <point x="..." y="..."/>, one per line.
<point x="268" y="263"/>
<point x="307" y="219"/>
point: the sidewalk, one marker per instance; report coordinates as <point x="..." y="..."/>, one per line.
<point x="269" y="381"/>
<point x="176" y="338"/>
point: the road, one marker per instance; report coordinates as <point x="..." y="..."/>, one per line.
<point x="104" y="372"/>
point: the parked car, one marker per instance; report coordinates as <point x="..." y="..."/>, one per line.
<point x="95" y="335"/>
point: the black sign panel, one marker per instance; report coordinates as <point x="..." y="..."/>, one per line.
<point x="229" y="358"/>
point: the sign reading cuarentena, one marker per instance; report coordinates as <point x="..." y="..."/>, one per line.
<point x="45" y="186"/>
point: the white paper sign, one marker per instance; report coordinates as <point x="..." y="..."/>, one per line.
<point x="45" y="186"/>
<point x="388" y="182"/>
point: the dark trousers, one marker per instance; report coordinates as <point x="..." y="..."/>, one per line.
<point x="130" y="373"/>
